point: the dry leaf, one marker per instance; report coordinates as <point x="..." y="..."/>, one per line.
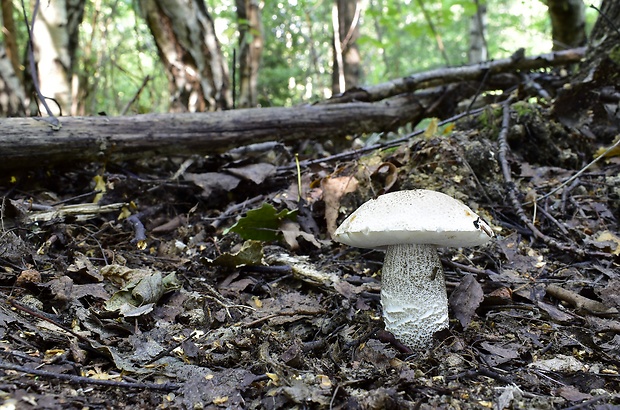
<point x="333" y="190"/>
<point x="465" y="299"/>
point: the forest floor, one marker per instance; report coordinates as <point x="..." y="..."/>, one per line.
<point x="150" y="284"/>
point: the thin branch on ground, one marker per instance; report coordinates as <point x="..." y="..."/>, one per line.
<point x="578" y="174"/>
<point x="378" y="146"/>
<point x="87" y="380"/>
<point x="511" y="189"/>
<point x="580" y="302"/>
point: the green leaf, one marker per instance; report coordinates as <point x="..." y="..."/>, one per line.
<point x="261" y="224"/>
<point x="251" y="253"/>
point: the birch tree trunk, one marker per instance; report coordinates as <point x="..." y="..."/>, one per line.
<point x="347" y="62"/>
<point x="186" y="42"/>
<point x="12" y="95"/>
<point x="55" y="38"/>
<point x="478" y="51"/>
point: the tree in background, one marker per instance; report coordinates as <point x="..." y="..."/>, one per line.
<point x="171" y="60"/>
<point x="590" y="105"/>
<point x="189" y="49"/>
<point x="12" y="96"/>
<point x="55" y="38"/>
<point x="346" y="66"/>
<point x="478" y="50"/>
<point x="568" y="23"/>
<point x="250" y="50"/>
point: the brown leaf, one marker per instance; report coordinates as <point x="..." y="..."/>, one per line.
<point x="465" y="299"/>
<point x="256" y="173"/>
<point x="571" y="393"/>
<point x="211" y="182"/>
<point x="333" y="190"/>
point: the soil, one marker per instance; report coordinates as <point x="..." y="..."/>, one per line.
<point x="206" y="282"/>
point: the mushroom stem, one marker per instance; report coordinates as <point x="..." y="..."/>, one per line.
<point x="413" y="294"/>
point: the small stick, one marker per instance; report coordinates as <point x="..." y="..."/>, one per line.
<point x="87" y="380"/>
<point x="580" y="302"/>
<point x="512" y="191"/>
<point x="581" y="171"/>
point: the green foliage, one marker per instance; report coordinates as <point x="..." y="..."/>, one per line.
<point x="117" y="51"/>
<point x="297" y="52"/>
<point x="261" y="224"/>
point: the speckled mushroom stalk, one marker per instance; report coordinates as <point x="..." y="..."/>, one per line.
<point x="413" y="294"/>
<point x="410" y="224"/>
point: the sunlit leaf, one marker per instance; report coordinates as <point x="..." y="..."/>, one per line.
<point x="261" y="224"/>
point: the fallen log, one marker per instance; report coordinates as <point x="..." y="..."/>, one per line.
<point x="32" y="142"/>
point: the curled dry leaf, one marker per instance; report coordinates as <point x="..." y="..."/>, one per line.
<point x="465" y="299"/>
<point x="333" y="190"/>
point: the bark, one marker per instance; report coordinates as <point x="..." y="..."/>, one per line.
<point x="250" y="50"/>
<point x="477" y="35"/>
<point x="590" y="105"/>
<point x="30" y="142"/>
<point x="12" y="96"/>
<point x="568" y="23"/>
<point x="449" y="75"/>
<point x="55" y="37"/>
<point x="185" y="36"/>
<point x="10" y="39"/>
<point x="347" y="61"/>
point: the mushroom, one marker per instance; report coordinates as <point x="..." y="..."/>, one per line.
<point x="410" y="224"/>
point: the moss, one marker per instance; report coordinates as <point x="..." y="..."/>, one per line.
<point x="524" y="109"/>
<point x="614" y="54"/>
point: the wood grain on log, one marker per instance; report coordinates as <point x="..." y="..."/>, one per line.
<point x="30" y="142"/>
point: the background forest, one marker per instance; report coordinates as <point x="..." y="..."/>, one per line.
<point x="165" y="243"/>
<point x="128" y="57"/>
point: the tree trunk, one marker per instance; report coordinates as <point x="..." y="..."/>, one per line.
<point x="185" y="36"/>
<point x="347" y="61"/>
<point x="250" y="50"/>
<point x="568" y="23"/>
<point x="12" y="96"/>
<point x="55" y="37"/>
<point x="590" y="105"/>
<point x="10" y="37"/>
<point x="30" y="142"/>
<point x="477" y="35"/>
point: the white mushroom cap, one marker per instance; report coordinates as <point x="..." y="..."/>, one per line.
<point x="413" y="217"/>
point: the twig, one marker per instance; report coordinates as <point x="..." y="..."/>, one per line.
<point x="222" y="301"/>
<point x="578" y="174"/>
<point x="512" y="189"/>
<point x="136" y="95"/>
<point x="87" y="380"/>
<point x="588" y="403"/>
<point x="139" y="231"/>
<point x="38" y="315"/>
<point x="274" y="315"/>
<point x="378" y="146"/>
<point x="234" y="208"/>
<point x="580" y="302"/>
<point x="482" y="371"/>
